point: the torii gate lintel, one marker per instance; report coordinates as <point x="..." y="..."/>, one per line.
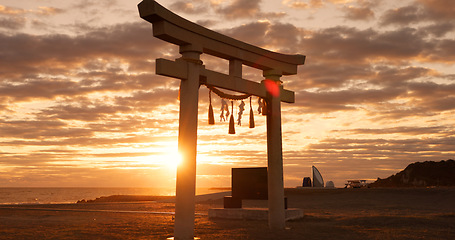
<point x="179" y="69"/>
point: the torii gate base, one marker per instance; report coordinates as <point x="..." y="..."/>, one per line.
<point x="252" y="213"/>
<point x="194" y="40"/>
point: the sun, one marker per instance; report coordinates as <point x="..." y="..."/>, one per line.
<point x="172" y="159"/>
<point x="164" y="155"/>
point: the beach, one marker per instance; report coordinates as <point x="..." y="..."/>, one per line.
<point x="379" y="213"/>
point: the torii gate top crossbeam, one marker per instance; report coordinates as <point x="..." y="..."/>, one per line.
<point x="177" y="30"/>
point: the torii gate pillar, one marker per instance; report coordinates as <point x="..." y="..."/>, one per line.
<point x="275" y="156"/>
<point x="187" y="144"/>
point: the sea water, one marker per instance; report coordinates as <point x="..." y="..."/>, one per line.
<point x="72" y="195"/>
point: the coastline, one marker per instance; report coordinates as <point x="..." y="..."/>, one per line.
<point x="57" y="195"/>
<point x="382" y="213"/>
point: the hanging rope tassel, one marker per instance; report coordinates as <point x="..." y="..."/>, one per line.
<point x="211" y="116"/>
<point x="241" y="109"/>
<point x="264" y="107"/>
<point x="259" y="105"/>
<point x="231" y="120"/>
<point x="251" y="115"/>
<point x="224" y="108"/>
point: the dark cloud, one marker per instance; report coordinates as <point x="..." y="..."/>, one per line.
<point x="439" y="29"/>
<point x="34" y="66"/>
<point x="420" y="11"/>
<point x="352" y="99"/>
<point x="358" y="13"/>
<point x="272" y="15"/>
<point x="285" y="37"/>
<point x="252" y="33"/>
<point x="55" y="54"/>
<point x="87" y="111"/>
<point x="207" y="23"/>
<point x="437" y="130"/>
<point x="245" y="9"/>
<point x="442" y="104"/>
<point x="39" y="129"/>
<point x="431" y="89"/>
<point x="376" y="148"/>
<point x="420" y="100"/>
<point x="12" y="23"/>
<point x="402" y="16"/>
<point x="189" y="7"/>
<point x="432" y="97"/>
<point x="85" y="4"/>
<point x="40" y="89"/>
<point x="439" y="9"/>
<point x="354" y="45"/>
<point x="147" y="100"/>
<point x="330" y="75"/>
<point x="87" y="140"/>
<point x="240" y="9"/>
<point x="396" y="76"/>
<point x="443" y="51"/>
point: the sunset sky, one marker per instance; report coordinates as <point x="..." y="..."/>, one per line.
<point x="81" y="106"/>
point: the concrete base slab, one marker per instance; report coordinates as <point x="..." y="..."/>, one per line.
<point x="252" y="213"/>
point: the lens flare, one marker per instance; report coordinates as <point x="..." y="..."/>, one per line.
<point x="272" y="87"/>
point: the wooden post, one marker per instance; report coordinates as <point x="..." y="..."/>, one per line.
<point x="275" y="154"/>
<point x="235" y="68"/>
<point x="186" y="171"/>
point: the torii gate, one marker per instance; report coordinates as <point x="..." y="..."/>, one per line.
<point x="194" y="40"/>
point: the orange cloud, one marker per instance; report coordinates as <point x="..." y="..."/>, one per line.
<point x="11" y="11"/>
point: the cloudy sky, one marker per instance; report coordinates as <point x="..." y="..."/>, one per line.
<point x="80" y="104"/>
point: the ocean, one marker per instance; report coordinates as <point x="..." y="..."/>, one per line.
<point x="72" y="195"/>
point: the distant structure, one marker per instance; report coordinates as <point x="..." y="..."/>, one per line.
<point x="306" y="182"/>
<point x="356" y="184"/>
<point x="329" y="184"/>
<point x="318" y="181"/>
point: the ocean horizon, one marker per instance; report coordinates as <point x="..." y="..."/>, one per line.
<point x="58" y="195"/>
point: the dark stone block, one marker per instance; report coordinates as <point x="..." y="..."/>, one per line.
<point x="230" y="202"/>
<point x="249" y="183"/>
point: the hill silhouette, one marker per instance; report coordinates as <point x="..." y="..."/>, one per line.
<point x="421" y="174"/>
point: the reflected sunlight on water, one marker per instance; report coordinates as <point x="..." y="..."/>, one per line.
<point x="72" y="195"/>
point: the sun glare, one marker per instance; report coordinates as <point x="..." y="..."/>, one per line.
<point x="172" y="159"/>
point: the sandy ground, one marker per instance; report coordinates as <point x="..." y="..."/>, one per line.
<point x="329" y="214"/>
